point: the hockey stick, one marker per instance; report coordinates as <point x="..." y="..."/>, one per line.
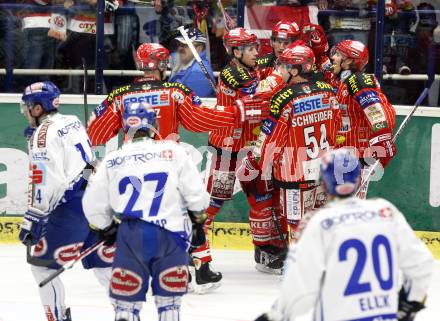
<point x="35" y="260"/>
<point x="431" y="75"/>
<point x="85" y="82"/>
<point x="197" y="57"/>
<point x="280" y="231"/>
<point x="71" y="263"/>
<point x="229" y="22"/>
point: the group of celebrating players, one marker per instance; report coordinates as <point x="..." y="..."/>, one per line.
<point x="275" y="119"/>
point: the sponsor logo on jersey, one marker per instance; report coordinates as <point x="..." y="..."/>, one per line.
<point x="250" y="88"/>
<point x="367" y="98"/>
<point x="174" y="279"/>
<point x="354" y="218"/>
<point x="165" y="155"/>
<point x="116" y="92"/>
<point x="106" y="253"/>
<point x="196" y="100"/>
<point x="67" y="253"/>
<point x="38" y="173"/>
<point x="227" y="91"/>
<point x="376" y="117"/>
<point x="352" y="82"/>
<point x="310" y="103"/>
<point x="275" y="104"/>
<point x="40" y="156"/>
<point x="72" y="127"/>
<point x="42" y="134"/>
<point x="41" y="248"/>
<point x="155" y="98"/>
<point x="125" y="282"/>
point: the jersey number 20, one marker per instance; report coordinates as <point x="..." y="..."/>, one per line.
<point x="354" y="285"/>
<point x="160" y="178"/>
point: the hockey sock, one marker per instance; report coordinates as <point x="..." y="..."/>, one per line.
<point x="168" y="307"/>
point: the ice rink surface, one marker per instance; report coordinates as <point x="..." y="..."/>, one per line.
<point x="244" y="295"/>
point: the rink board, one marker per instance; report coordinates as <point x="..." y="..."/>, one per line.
<point x="411" y="182"/>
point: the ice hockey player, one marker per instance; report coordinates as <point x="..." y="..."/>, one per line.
<point x="283" y="34"/>
<point x="173" y="102"/>
<point x="156" y="189"/>
<point x="368" y="119"/>
<point x="302" y="126"/>
<point x="347" y="261"/>
<point x="59" y="153"/>
<point x="238" y="80"/>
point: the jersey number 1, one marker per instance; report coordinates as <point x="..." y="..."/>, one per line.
<point x="354" y="285"/>
<point x="136" y="184"/>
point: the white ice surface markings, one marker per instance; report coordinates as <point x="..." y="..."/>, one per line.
<point x="244" y="295"/>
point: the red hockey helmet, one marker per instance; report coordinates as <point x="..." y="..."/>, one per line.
<point x="355" y="50"/>
<point x="298" y="56"/>
<point x="239" y="37"/>
<point x="152" y="56"/>
<point x="286" y="30"/>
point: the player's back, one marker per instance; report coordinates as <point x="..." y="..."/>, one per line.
<point x="361" y="242"/>
<point x="151" y="180"/>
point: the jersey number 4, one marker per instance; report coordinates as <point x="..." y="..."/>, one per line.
<point x="354" y="285"/>
<point x="160" y="178"/>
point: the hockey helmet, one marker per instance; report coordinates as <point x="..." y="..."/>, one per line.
<point x="285" y="30"/>
<point x="44" y="93"/>
<point x="355" y="50"/>
<point x="139" y="116"/>
<point x="238" y="38"/>
<point x="152" y="56"/>
<point x="340" y="172"/>
<point x="298" y="56"/>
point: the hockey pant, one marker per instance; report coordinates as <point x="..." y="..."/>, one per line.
<point x="67" y="233"/>
<point x="147" y="254"/>
<point x="296" y="201"/>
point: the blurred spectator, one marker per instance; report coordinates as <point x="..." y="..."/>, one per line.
<point x="39" y="49"/>
<point x="399" y="36"/>
<point x="186" y="70"/>
<point x="81" y="37"/>
<point x="354" y="27"/>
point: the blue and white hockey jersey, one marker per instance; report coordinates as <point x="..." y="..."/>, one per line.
<point x="347" y="261"/>
<point x="59" y="150"/>
<point x="154" y="181"/>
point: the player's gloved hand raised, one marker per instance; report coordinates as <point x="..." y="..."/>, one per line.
<point x="252" y="109"/>
<point x="407" y="310"/>
<point x="315" y="37"/>
<point x="198" y="219"/>
<point x="33" y="226"/>
<point x="28" y="132"/>
<point x="382" y="148"/>
<point x="109" y="234"/>
<point x="111" y="5"/>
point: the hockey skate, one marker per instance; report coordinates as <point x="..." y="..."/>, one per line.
<point x="202" y="279"/>
<point x="269" y="259"/>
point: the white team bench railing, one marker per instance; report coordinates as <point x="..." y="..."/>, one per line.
<point x="134" y="73"/>
<point x="97" y="99"/>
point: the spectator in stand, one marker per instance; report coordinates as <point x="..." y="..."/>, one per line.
<point x="39" y="49"/>
<point x="354" y="27"/>
<point x="186" y="70"/>
<point x="399" y="36"/>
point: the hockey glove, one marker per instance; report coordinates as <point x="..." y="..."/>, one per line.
<point x="108" y="235"/>
<point x="249" y="174"/>
<point x="33" y="226"/>
<point x="407" y="309"/>
<point x="28" y="132"/>
<point x="252" y="109"/>
<point x="382" y="148"/>
<point x="198" y="219"/>
<point x="111" y="5"/>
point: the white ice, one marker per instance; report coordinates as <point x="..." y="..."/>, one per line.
<point x="244" y="295"/>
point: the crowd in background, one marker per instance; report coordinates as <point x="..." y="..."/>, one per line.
<point x="59" y="34"/>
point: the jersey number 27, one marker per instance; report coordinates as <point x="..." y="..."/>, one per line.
<point x="160" y="178"/>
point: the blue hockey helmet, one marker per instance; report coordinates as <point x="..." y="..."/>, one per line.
<point x="139" y="116"/>
<point x="341" y="172"/>
<point x="44" y="93"/>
